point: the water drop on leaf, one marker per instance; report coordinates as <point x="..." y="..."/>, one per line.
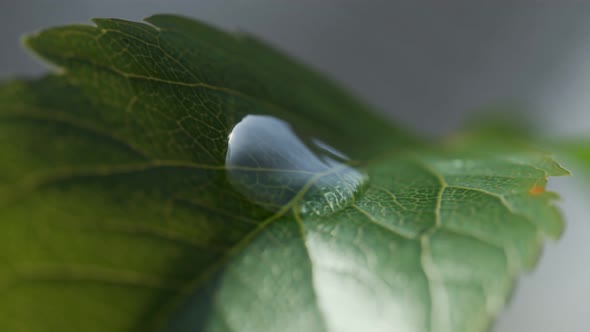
<point x="274" y="166"/>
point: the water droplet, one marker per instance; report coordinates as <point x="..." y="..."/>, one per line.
<point x="272" y="165"/>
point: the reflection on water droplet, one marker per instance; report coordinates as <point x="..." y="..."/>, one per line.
<point x="270" y="164"/>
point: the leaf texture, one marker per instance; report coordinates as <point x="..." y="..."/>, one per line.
<point x="118" y="211"/>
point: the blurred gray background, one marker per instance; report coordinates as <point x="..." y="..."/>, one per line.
<point x="427" y="65"/>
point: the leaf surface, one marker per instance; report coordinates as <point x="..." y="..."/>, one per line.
<point x="121" y="208"/>
<point x="578" y="150"/>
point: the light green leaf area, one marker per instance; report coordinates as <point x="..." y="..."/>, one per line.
<point x="578" y="150"/>
<point x="122" y="209"/>
<point x="584" y="155"/>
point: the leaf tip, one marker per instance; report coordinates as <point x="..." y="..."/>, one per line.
<point x="27" y="40"/>
<point x="561" y="171"/>
<point x="30" y="43"/>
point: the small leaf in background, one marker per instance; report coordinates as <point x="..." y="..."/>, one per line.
<point x="576" y="151"/>
<point x="579" y="150"/>
<point x="176" y="178"/>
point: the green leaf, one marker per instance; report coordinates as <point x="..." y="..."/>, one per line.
<point x="578" y="150"/>
<point x="173" y="177"/>
<point x="584" y="154"/>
